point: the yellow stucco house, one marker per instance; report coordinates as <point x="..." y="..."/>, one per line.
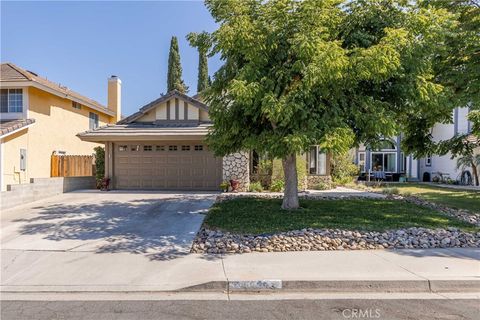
<point x="40" y="117"/>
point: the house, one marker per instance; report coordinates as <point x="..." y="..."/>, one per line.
<point x="40" y="117"/>
<point x="389" y="157"/>
<point x="162" y="146"/>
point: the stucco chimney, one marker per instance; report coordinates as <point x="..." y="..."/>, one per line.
<point x="115" y="96"/>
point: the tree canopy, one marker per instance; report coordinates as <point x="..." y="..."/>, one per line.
<point x="174" y="75"/>
<point x="202" y="42"/>
<point x="302" y="73"/>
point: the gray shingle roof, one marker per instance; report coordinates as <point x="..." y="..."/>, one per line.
<point x="7" y="126"/>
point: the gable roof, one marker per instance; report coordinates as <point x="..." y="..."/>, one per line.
<point x="10" y="72"/>
<point x="172" y="94"/>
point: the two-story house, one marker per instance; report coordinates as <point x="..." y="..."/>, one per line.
<point x="40" y="117"/>
<point x="389" y="158"/>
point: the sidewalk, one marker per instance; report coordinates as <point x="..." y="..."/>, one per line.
<point x="432" y="270"/>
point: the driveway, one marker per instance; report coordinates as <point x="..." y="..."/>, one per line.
<point x="158" y="225"/>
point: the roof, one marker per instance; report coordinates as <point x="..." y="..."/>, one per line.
<point x="172" y="94"/>
<point x="10" y="72"/>
<point x="150" y="131"/>
<point x="9" y="126"/>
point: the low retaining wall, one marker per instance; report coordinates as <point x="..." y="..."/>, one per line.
<point x="40" y="188"/>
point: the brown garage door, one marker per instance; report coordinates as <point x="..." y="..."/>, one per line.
<point x="169" y="165"/>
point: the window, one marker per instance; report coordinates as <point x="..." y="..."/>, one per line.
<point x="11" y="100"/>
<point x="135" y="148"/>
<point x="76" y="105"/>
<point x="428" y="161"/>
<point x="386" y="145"/>
<point x="198" y="147"/>
<point x="384" y="161"/>
<point x="93" y="120"/>
<point x="317" y="161"/>
<point x="159" y="148"/>
<point x="122" y="148"/>
<point x="172" y="148"/>
<point x="361" y="161"/>
<point x="147" y="148"/>
<point x="185" y="148"/>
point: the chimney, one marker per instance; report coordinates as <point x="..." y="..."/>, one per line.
<point x="115" y="97"/>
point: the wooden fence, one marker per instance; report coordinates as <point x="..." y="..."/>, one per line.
<point x="72" y="166"/>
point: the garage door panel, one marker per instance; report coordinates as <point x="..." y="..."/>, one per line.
<point x="166" y="169"/>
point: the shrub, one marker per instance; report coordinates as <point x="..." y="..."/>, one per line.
<point x="255" y="187"/>
<point x="263" y="175"/>
<point x="407" y="193"/>
<point x="343" y="170"/>
<point x="99" y="165"/>
<point x="391" y="191"/>
<point x="277" y="186"/>
<point x="224" y="186"/>
<point x="323" y="185"/>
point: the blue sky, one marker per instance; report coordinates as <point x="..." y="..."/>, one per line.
<point x="80" y="44"/>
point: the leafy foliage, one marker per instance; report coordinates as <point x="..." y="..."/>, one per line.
<point x="277" y="186"/>
<point x="174" y="76"/>
<point x="202" y="42"/>
<point x="255" y="187"/>
<point x="99" y="164"/>
<point x="343" y="170"/>
<point x="297" y="73"/>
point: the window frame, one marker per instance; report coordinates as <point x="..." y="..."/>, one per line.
<point x="93" y="120"/>
<point x="428" y="161"/>
<point x="319" y="170"/>
<point x="383" y="153"/>
<point x="10" y="108"/>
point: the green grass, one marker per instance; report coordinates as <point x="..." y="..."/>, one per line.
<point x="259" y="216"/>
<point x="453" y="198"/>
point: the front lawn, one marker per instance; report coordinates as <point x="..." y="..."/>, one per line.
<point x="453" y="198"/>
<point x="259" y="216"/>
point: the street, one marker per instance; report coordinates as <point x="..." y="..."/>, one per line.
<point x="248" y="309"/>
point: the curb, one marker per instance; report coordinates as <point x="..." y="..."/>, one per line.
<point x="339" y="286"/>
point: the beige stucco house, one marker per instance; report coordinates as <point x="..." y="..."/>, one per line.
<point x="162" y="146"/>
<point x="40" y="117"/>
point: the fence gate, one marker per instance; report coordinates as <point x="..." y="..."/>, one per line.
<point x="72" y="166"/>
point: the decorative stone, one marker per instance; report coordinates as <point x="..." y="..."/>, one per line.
<point x="236" y="167"/>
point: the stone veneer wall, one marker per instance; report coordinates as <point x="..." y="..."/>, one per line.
<point x="236" y="167"/>
<point x="313" y="180"/>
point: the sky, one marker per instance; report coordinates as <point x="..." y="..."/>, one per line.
<point x="80" y="44"/>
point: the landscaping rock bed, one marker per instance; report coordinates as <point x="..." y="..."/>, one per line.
<point x="210" y="241"/>
<point x="473" y="218"/>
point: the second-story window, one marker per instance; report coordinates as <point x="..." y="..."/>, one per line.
<point x="93" y="120"/>
<point x="76" y="105"/>
<point x="11" y="100"/>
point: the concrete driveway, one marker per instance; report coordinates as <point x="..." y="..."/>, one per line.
<point x="158" y="225"/>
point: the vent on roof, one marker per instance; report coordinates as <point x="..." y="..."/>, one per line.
<point x="35" y="74"/>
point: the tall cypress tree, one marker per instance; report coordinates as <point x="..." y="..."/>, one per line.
<point x="202" y="42"/>
<point x="174" y="76"/>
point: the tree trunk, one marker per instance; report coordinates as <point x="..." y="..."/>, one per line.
<point x="475" y="173"/>
<point x="290" y="194"/>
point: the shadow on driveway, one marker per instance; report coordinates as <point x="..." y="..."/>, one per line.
<point x="160" y="229"/>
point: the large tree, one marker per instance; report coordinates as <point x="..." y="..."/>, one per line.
<point x="174" y="75"/>
<point x="202" y="42"/>
<point x="301" y="73"/>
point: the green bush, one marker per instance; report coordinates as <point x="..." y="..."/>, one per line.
<point x="99" y="165"/>
<point x="343" y="170"/>
<point x="323" y="185"/>
<point x="255" y="187"/>
<point x="277" y="186"/>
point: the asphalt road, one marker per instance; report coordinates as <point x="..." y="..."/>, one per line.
<point x="267" y="309"/>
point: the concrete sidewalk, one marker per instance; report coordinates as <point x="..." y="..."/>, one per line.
<point x="432" y="270"/>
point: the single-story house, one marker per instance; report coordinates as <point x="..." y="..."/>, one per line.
<point x="162" y="146"/>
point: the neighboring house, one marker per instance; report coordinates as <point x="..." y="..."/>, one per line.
<point x="434" y="165"/>
<point x="391" y="159"/>
<point x="40" y="117"/>
<point x="162" y="146"/>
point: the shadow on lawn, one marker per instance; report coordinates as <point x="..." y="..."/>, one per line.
<point x="160" y="229"/>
